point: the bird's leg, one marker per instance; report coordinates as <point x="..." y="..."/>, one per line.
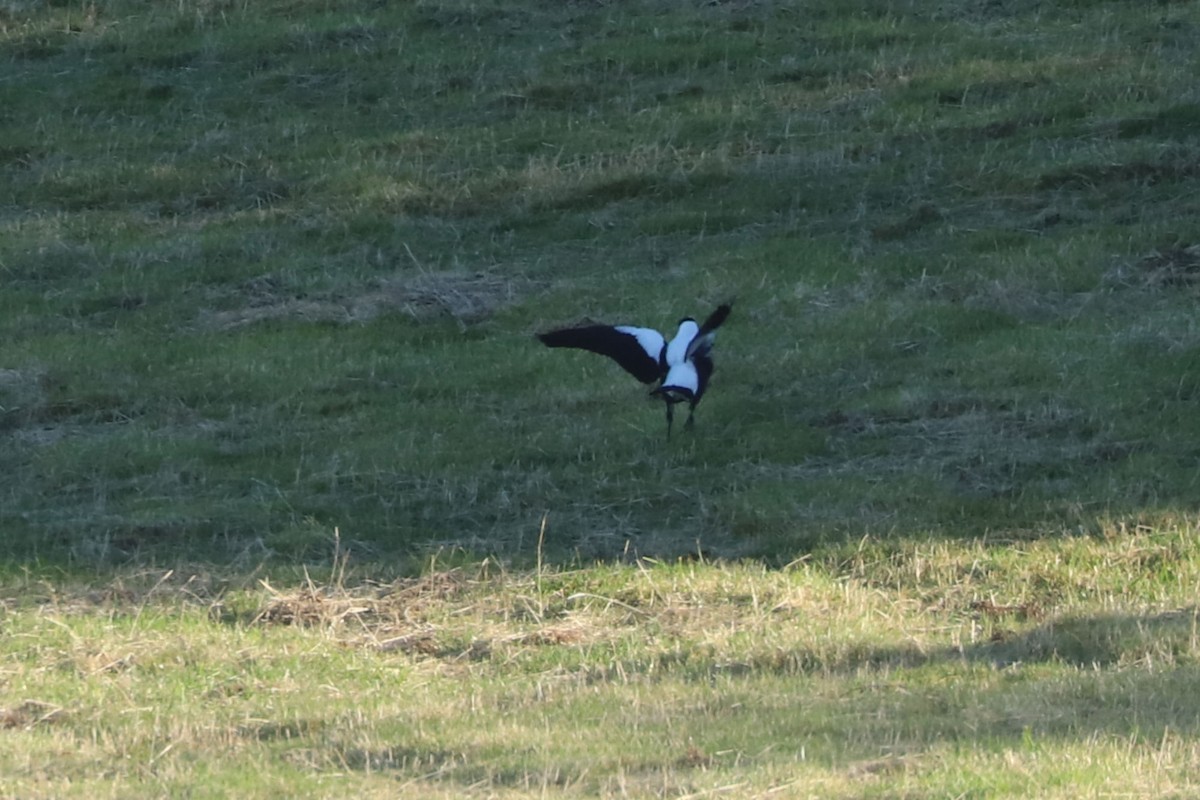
<point x="691" y="420"/>
<point x="670" y="419"/>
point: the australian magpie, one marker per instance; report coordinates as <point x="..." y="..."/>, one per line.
<point x="681" y="367"/>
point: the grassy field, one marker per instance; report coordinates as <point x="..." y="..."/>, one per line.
<point x="292" y="503"/>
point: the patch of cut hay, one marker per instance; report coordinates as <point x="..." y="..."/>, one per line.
<point x="465" y="297"/>
<point x="1176" y="267"/>
<point x="303" y="310"/>
<point x="447" y="617"/>
<point x="396" y="610"/>
<point x="30" y="713"/>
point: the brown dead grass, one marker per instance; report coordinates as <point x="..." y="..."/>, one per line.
<point x="444" y="615"/>
<point x="467" y="297"/>
<point x="1172" y="267"/>
<point x="29" y="714"/>
<point x="452" y="619"/>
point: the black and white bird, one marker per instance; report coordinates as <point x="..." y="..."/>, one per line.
<point x="681" y="367"/>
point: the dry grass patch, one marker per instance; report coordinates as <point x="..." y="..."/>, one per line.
<point x="445" y="615"/>
<point x="292" y="309"/>
<point x="467" y="297"/>
<point x="1172" y="266"/>
<point x="1175" y="266"/>
<point x="30" y="713"/>
<point x="702" y="620"/>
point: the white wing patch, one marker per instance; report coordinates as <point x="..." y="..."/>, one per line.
<point x="651" y="340"/>
<point x="677" y="350"/>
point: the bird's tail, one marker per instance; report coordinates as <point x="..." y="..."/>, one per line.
<point x="715" y="319"/>
<point x="702" y="342"/>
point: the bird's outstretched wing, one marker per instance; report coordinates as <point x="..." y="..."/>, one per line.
<point x="703" y="340"/>
<point x="637" y="350"/>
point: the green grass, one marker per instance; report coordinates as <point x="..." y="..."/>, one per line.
<point x="272" y="270"/>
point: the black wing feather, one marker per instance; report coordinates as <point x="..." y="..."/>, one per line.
<point x="623" y="348"/>
<point x="715" y="319"/>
